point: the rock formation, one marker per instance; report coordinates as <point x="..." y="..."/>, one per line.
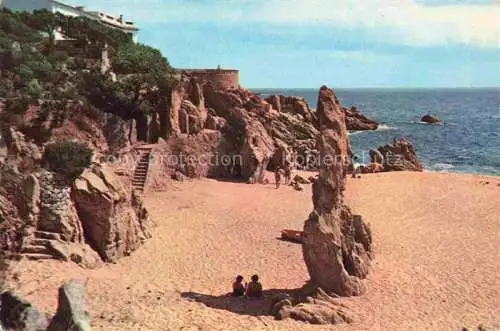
<point x="356" y="121"/>
<point x="115" y="223"/>
<point x="71" y="314"/>
<point x="45" y="216"/>
<point x="257" y="148"/>
<point x="400" y="156"/>
<point x="430" y="119"/>
<point x="337" y="245"/>
<point x="18" y="314"/>
<point x="293" y="105"/>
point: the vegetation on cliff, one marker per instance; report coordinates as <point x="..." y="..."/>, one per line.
<point x="68" y="158"/>
<point x="35" y="67"/>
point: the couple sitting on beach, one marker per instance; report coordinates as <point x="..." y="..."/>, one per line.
<point x="252" y="289"/>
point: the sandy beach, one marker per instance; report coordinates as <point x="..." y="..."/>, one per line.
<point x="436" y="265"/>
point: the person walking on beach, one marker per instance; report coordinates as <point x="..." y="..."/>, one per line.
<point x="254" y="288"/>
<point x="288" y="173"/>
<point x="238" y="288"/>
<point x="277" y="177"/>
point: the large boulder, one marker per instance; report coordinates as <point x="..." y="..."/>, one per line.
<point x="71" y="314"/>
<point x="400" y="156"/>
<point x="430" y="119"/>
<point x="336" y="244"/>
<point x="114" y="221"/>
<point x="356" y="121"/>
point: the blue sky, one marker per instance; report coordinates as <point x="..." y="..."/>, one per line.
<point x="341" y="43"/>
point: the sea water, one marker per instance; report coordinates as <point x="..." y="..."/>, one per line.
<point x="468" y="139"/>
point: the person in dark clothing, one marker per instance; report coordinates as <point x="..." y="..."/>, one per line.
<point x="238" y="287"/>
<point x="277" y="177"/>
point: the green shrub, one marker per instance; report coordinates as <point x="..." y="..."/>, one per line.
<point x="68" y="158"/>
<point x="34" y="88"/>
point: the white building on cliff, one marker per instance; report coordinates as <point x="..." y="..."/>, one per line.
<point x="116" y="22"/>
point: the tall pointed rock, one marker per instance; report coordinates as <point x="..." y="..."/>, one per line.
<point x="337" y="244"/>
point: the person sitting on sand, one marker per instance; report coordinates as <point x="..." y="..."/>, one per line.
<point x="277" y="176"/>
<point x="254" y="288"/>
<point x="238" y="288"/>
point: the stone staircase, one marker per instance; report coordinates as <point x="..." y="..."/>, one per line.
<point x="39" y="247"/>
<point x="141" y="170"/>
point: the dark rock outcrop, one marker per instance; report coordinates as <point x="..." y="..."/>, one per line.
<point x="356" y="121"/>
<point x="19" y="314"/>
<point x="430" y="119"/>
<point x="400" y="156"/>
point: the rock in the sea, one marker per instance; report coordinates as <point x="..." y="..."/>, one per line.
<point x="18" y="314"/>
<point x="71" y="314"/>
<point x="336" y="244"/>
<point x="430" y="119"/>
<point x="400" y="156"/>
<point x="356" y="121"/>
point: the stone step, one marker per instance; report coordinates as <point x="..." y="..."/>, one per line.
<point x="37" y="257"/>
<point x="141" y="171"/>
<point x="40" y="241"/>
<point x="47" y="235"/>
<point x="35" y="249"/>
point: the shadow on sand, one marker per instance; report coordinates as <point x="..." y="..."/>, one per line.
<point x="240" y="305"/>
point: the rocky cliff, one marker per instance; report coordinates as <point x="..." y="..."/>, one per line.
<point x="93" y="218"/>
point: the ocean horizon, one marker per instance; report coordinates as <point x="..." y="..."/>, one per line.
<point x="468" y="141"/>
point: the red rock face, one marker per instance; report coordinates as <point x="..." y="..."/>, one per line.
<point x="337" y="244"/>
<point x="334" y="147"/>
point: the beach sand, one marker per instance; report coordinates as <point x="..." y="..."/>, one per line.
<point x="436" y="266"/>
